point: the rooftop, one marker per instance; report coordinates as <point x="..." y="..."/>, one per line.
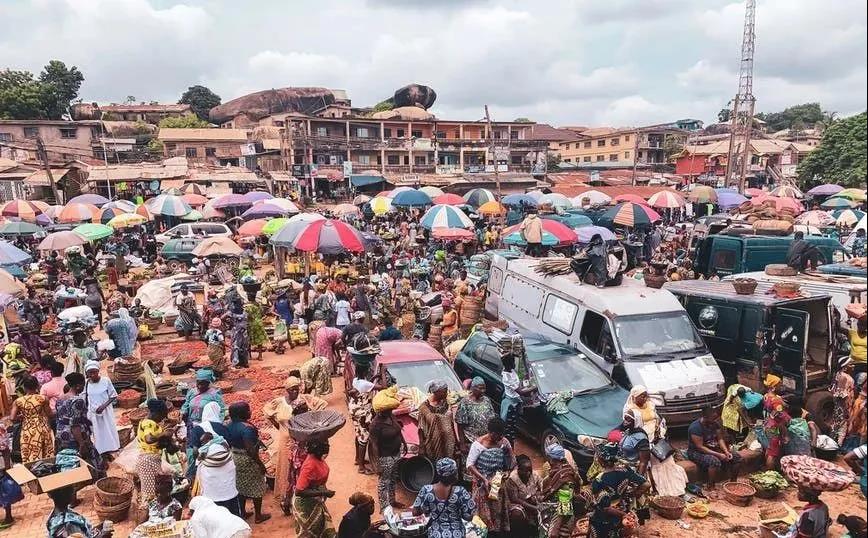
<point x="205" y="135"/>
<point x="146" y="107"/>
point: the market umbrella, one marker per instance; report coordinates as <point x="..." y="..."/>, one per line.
<point x="384" y="194"/>
<point x="586" y="233"/>
<point x="836" y="202"/>
<point x="754" y="192"/>
<point x="193" y="188"/>
<point x="554" y="234"/>
<point x="555" y="199"/>
<point x="287" y="205"/>
<point x="516" y="200"/>
<point x="230" y="200"/>
<point x="124" y="205"/>
<point x="826" y="189"/>
<point x="8" y="284"/>
<point x="342" y="210"/>
<point x="285" y="234"/>
<point x="445" y="216"/>
<point x="217" y="246"/>
<point x="209" y="212"/>
<point x="19" y="227"/>
<point x="174" y="191"/>
<point x="145" y="211"/>
<point x="787" y="191"/>
<point x="252" y="227"/>
<point x="168" y="204"/>
<point x="666" y="199"/>
<point x="853" y="194"/>
<point x="590" y="198"/>
<point x="61" y="241"/>
<point x="847" y="217"/>
<point x="448" y="199"/>
<point x="194" y="200"/>
<point x="381" y="205"/>
<point x="633" y="198"/>
<point x="729" y="198"/>
<point x="90" y="198"/>
<point x="256" y="196"/>
<point x="192" y="216"/>
<point x="396" y="191"/>
<point x="92" y="232"/>
<point x="272" y="226"/>
<point x="260" y="211"/>
<point x="491" y="208"/>
<point x="433" y="192"/>
<point x="816" y="218"/>
<point x="329" y="236"/>
<point x="75" y="212"/>
<point x="104" y="215"/>
<point x="477" y="197"/>
<point x="536" y="195"/>
<point x="630" y="214"/>
<point x="44" y="220"/>
<point x="125" y="220"/>
<point x="10" y="254"/>
<point x="22" y="209"/>
<point x="52" y="211"/>
<point x="702" y="194"/>
<point x="452" y="233"/>
<point x="411" y="198"/>
<point x="40" y="204"/>
<point x="361" y="199"/>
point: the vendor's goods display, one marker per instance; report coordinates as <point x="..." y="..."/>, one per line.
<point x="738" y="493"/>
<point x="768" y="484"/>
<point x="816" y="474"/>
<point x="112" y="498"/>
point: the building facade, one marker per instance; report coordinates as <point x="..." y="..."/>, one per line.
<point x="771" y="160"/>
<point x="219" y="147"/>
<point x="644" y="146"/>
<point x="146" y="112"/>
<point x="63" y="140"/>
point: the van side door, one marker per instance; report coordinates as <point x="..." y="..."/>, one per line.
<point x="494" y="288"/>
<point x="791" y="342"/>
<point x="725" y="257"/>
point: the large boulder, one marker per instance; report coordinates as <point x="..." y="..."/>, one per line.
<point x="415" y="95"/>
<point x="261" y="104"/>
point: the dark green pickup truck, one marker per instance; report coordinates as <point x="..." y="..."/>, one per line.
<point x="724" y="254"/>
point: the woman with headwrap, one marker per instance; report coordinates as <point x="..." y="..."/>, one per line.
<point x="406" y="306"/>
<point x="148" y="436"/>
<point x="256" y="329"/>
<point x="201" y="433"/>
<point x="210" y="520"/>
<point x="188" y="315"/>
<point x="388" y="441"/>
<point x="215" y="472"/>
<point x="447" y="504"/>
<point x="216" y="343"/>
<point x="312" y="518"/>
<point x="33" y="411"/>
<point x="774" y="422"/>
<point x="100" y="394"/>
<point x="357" y="522"/>
<point x="449" y="323"/>
<point x="316" y="376"/>
<point x="615" y="491"/>
<point x="733" y="415"/>
<point x="195" y="402"/>
<point x="240" y="351"/>
<point x="243" y="437"/>
<point x="843" y="390"/>
<point x="290" y="454"/>
<point x="123" y="331"/>
<point x="653" y="424"/>
<point x="359" y="404"/>
<point x="214" y="309"/>
<point x="73" y="430"/>
<point x="489" y="459"/>
<point x="312" y="328"/>
<point x="560" y="495"/>
<point x="473" y="413"/>
<point x="857" y="428"/>
<point x="635" y="446"/>
<point x="436" y="427"/>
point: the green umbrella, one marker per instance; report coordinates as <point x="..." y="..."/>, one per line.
<point x="19" y="228"/>
<point x="92" y="232"/>
<point x="274" y="225"/>
<point x="193" y="215"/>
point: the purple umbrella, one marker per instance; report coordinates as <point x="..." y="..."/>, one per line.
<point x="730" y="199"/>
<point x="94" y="199"/>
<point x="826" y="189"/>
<point x="255" y="196"/>
<point x="585" y="233"/>
<point x="230" y="200"/>
<point x="260" y="211"/>
<point x="43" y="220"/>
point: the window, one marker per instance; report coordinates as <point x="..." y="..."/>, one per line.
<point x="362" y="132"/>
<point x="601" y="158"/>
<point x="614" y="142"/>
<point x="364" y="159"/>
<point x="393" y="159"/>
<point x="513" y="135"/>
<point x="613" y="156"/>
<point x="322" y="159"/>
<point x="279" y="123"/>
<point x="400" y="133"/>
<point x="416" y="134"/>
<point x="587" y="144"/>
<point x="577" y="145"/>
<point x="586" y="159"/>
<point x="601" y="143"/>
<point x="560" y="314"/>
<point x="191" y="152"/>
<point x="568" y="160"/>
<point x="641" y="154"/>
<point x="68" y="132"/>
<point x="31" y="132"/>
<point x="516" y="159"/>
<point x="626" y="154"/>
<point x="440" y="134"/>
<point x="488" y="355"/>
<point x="723" y="259"/>
<point x="626" y="138"/>
<point x="170" y="146"/>
<point x="387" y="133"/>
<point x="596" y="335"/>
<point x="5" y="137"/>
<point x="420" y="160"/>
<point x="322" y="131"/>
<point x="497" y="135"/>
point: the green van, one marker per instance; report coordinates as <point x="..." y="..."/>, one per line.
<point x="727" y="254"/>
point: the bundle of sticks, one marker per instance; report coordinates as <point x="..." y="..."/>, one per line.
<point x="554" y="266"/>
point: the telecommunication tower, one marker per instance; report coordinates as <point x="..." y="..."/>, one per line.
<point x="743" y="106"/>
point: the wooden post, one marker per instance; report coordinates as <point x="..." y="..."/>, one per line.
<point x="43" y="155"/>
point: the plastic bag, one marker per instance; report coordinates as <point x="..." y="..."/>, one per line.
<point x="128" y="458"/>
<point x="10" y="491"/>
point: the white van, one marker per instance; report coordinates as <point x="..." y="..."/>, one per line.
<point x="194" y="229"/>
<point x="843" y="289"/>
<point x="640" y="335"/>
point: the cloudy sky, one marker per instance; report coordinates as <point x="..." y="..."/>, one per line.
<point x="567" y="62"/>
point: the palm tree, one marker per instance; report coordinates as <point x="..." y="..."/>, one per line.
<point x="829" y="117"/>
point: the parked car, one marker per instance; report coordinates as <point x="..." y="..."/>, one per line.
<point x="177" y="253"/>
<point x="551" y="367"/>
<point x="194" y="229"/>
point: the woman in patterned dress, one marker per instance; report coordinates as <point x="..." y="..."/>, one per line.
<point x="74" y="429"/>
<point x="149" y="462"/>
<point x="446" y="504"/>
<point x="243" y="437"/>
<point x="360" y="406"/>
<point x="436" y="427"/>
<point x="615" y="492"/>
<point x="33" y="410"/>
<point x="489" y="455"/>
<point x="473" y="413"/>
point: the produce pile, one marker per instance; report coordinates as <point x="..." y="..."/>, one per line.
<point x="769" y="481"/>
<point x="167" y="350"/>
<point x="858" y="262"/>
<point x="129" y="394"/>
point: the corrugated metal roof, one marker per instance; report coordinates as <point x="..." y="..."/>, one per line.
<point x="39" y="178"/>
<point x="132" y="172"/>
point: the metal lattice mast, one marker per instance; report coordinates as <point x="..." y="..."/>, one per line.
<point x="743" y="105"/>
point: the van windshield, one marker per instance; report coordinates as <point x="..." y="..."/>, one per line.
<point x="655" y="336"/>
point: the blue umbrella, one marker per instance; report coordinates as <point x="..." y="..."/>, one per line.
<point x="411" y="198"/>
<point x="14" y="270"/>
<point x="519" y="199"/>
<point x="585" y="233"/>
<point x="10" y="254"/>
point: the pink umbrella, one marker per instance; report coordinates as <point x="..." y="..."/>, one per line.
<point x="252" y="227"/>
<point x="634" y="198"/>
<point x="452" y="233"/>
<point x="666" y="199"/>
<point x="194" y="200"/>
<point x="76" y="212"/>
<point x="449" y="199"/>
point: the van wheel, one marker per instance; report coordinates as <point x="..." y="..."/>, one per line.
<point x="548" y="437"/>
<point x="821" y="406"/>
<point x="177" y="265"/>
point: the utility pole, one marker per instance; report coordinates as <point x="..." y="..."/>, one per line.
<point x="43" y="155"/>
<point x="493" y="153"/>
<point x="635" y="155"/>
<point x="743" y="106"/>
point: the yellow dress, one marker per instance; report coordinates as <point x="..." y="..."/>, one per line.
<point x="37" y="441"/>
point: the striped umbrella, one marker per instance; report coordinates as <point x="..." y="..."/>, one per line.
<point x="630" y="197"/>
<point x="445" y="216"/>
<point x="168" y="204"/>
<point x="667" y="199"/>
<point x="702" y="194"/>
<point x="555" y="199"/>
<point x="343" y="210"/>
<point x="329" y="236"/>
<point x="41" y="205"/>
<point x="837" y="202"/>
<point x="252" y="227"/>
<point x="411" y="198"/>
<point x="853" y="194"/>
<point x="848" y="217"/>
<point x="256" y="196"/>
<point x="90" y="198"/>
<point x="104" y="215"/>
<point x="590" y="198"/>
<point x="361" y="199"/>
<point x="448" y="199"/>
<point x="287" y="205"/>
<point x="787" y="191"/>
<point x="124" y="205"/>
<point x="554" y="234"/>
<point x="93" y="232"/>
<point x="396" y="191"/>
<point x="432" y="192"/>
<point x="285" y="234"/>
<point x="272" y="226"/>
<point x="144" y="211"/>
<point x="491" y="208"/>
<point x="75" y="212"/>
<point x="630" y="215"/>
<point x="194" y="200"/>
<point x="230" y="200"/>
<point x="193" y="188"/>
<point x="477" y="197"/>
<point x="381" y="205"/>
<point x="125" y="220"/>
<point x="61" y="241"/>
<point x="24" y="210"/>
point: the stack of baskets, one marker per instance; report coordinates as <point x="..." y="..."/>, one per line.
<point x="166" y="391"/>
<point x="471" y="311"/>
<point x="126" y="370"/>
<point x="112" y="498"/>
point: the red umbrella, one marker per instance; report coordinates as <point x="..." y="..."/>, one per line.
<point x="554" y="234"/>
<point x="194" y="200"/>
<point x="449" y="199"/>
<point x="452" y="233"/>
<point x="329" y="236"/>
<point x="634" y="198"/>
<point x="252" y="227"/>
<point x="26" y="211"/>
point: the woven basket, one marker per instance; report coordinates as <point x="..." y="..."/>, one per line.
<point x="135" y="416"/>
<point x="786" y="289"/>
<point x="316" y="425"/>
<point x="115" y="513"/>
<point x="113" y="491"/>
<point x="738" y="493"/>
<point x="655" y="281"/>
<point x="178" y="369"/>
<point x="668" y="507"/>
<point x="129" y="403"/>
<point x="125" y="435"/>
<point x="156" y="365"/>
<point x="153" y="324"/>
<point x="744" y="286"/>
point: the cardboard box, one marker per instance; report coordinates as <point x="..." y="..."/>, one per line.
<point x="21" y="475"/>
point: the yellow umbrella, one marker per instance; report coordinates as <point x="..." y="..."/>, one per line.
<point x="852" y="194"/>
<point x="381" y="205"/>
<point x="126" y="220"/>
<point x="491" y="208"/>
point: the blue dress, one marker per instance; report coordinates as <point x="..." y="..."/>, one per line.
<point x="447" y="517"/>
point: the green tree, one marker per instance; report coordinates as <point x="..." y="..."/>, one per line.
<point x="552" y="160"/>
<point x="841" y="156"/>
<point x="200" y="99"/>
<point x="21" y="96"/>
<point x="155" y="146"/>
<point x="807" y="114"/>
<point x="522" y="120"/>
<point x="59" y="85"/>
<point x="187" y="121"/>
<point x="724" y="115"/>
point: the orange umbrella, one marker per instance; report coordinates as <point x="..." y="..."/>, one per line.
<point x="491" y="208"/>
<point x="194" y="200"/>
<point x="76" y="212"/>
<point x="145" y="212"/>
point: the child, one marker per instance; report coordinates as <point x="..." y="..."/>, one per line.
<point x="216" y="347"/>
